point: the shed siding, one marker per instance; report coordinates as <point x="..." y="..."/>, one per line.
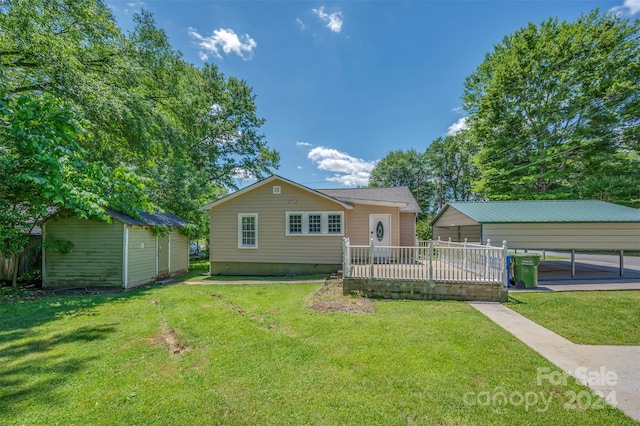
<point x="565" y="236"/>
<point x="407" y="229"/>
<point x="96" y="257"/>
<point x="273" y="245"/>
<point x="358" y="223"/>
<point x="179" y="253"/>
<point x="457" y="233"/>
<point x="141" y="268"/>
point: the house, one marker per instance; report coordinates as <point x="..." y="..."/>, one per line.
<point x="280" y="227"/>
<point x="124" y="253"/>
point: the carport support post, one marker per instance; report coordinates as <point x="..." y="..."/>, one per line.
<point x="621" y="263"/>
<point x="573" y="263"/>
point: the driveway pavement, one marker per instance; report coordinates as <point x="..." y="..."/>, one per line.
<point x="611" y="371"/>
<point x="593" y="272"/>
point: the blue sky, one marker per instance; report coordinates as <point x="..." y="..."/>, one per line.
<point x="341" y="84"/>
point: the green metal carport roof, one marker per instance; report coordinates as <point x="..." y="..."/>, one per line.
<point x="541" y="211"/>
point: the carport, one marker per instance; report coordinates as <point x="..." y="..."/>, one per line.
<point x="567" y="225"/>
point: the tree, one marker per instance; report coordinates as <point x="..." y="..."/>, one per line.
<point x="42" y="167"/>
<point x="404" y="168"/>
<point x="450" y="160"/>
<point x="554" y="106"/>
<point x="157" y="123"/>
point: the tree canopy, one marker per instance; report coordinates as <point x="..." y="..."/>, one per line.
<point x="123" y="121"/>
<point x="555" y="111"/>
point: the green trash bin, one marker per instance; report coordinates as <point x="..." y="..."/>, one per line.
<point x="525" y="269"/>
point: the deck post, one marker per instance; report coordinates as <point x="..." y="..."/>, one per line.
<point x="505" y="273"/>
<point x="573" y="263"/>
<point x="486" y="259"/>
<point x="430" y="248"/>
<point x="371" y="251"/>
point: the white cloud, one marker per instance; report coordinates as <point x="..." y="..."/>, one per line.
<point x="457" y="109"/>
<point x="347" y="170"/>
<point x="302" y="25"/>
<point x="303" y="144"/>
<point x="333" y="20"/>
<point x="130" y="7"/>
<point x="458" y="126"/>
<point x="630" y="7"/>
<point x="227" y="40"/>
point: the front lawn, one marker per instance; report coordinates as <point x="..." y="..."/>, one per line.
<point x="593" y="317"/>
<point x="228" y="354"/>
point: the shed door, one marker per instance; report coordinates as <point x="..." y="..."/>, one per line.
<point x="380" y="230"/>
<point x="163" y="256"/>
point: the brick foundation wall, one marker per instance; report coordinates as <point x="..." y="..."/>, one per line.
<point x="423" y="290"/>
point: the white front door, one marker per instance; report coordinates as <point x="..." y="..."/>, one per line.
<point x="380" y="231"/>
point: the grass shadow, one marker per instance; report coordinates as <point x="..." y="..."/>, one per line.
<point x="36" y="368"/>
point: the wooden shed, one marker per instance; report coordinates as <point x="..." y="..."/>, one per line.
<point x="124" y="253"/>
<point x="542" y="224"/>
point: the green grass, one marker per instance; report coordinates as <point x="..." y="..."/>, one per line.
<point x="257" y="355"/>
<point x="594" y="317"/>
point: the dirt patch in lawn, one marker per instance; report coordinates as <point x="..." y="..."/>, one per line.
<point x="329" y="298"/>
<point x="167" y="335"/>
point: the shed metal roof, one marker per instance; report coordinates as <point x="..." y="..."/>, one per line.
<point x="537" y="211"/>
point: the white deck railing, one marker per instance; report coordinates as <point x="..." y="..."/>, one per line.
<point x="433" y="261"/>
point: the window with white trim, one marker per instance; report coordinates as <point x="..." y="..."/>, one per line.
<point x="335" y="224"/>
<point x="295" y="224"/>
<point x="247" y="230"/>
<point x="314" y="223"/>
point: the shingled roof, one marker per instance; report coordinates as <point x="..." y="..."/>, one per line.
<point x="400" y="195"/>
<point x="149" y="219"/>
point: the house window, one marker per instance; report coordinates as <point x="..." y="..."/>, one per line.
<point x="248" y="230"/>
<point x="295" y="224"/>
<point x="315" y="223"/>
<point x="335" y="224"/>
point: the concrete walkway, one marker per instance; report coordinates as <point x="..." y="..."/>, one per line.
<point x="607" y="368"/>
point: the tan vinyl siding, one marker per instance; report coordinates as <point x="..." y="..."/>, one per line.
<point x="358" y="223"/>
<point x="179" y="253"/>
<point x="273" y="245"/>
<point x="458" y="233"/>
<point x="96" y="257"/>
<point x="567" y="236"/>
<point x="408" y="229"/>
<point x="141" y="268"/>
<point x="452" y="217"/>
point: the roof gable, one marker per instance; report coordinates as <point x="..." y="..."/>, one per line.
<point x="541" y="211"/>
<point x="273" y="179"/>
